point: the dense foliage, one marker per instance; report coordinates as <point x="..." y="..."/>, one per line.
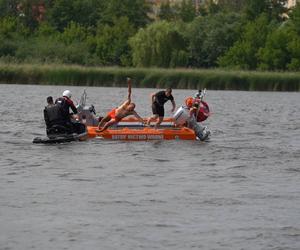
<point x="240" y="34"/>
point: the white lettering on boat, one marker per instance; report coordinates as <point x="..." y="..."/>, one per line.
<point x="119" y="137"/>
<point x="155" y="137"/>
<point x="137" y="137"/>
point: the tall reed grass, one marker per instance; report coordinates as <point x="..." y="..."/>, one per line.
<point x="149" y="78"/>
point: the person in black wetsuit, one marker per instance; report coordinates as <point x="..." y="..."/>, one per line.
<point x="46" y="116"/>
<point x="53" y="116"/>
<point x="66" y="103"/>
<point x="158" y="100"/>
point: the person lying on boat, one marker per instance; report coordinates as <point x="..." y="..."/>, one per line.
<point x="158" y="100"/>
<point x="117" y="114"/>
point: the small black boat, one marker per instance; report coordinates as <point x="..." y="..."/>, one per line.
<point x="61" y="138"/>
<point x="60" y="134"/>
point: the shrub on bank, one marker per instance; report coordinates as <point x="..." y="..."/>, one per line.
<point x="149" y="78"/>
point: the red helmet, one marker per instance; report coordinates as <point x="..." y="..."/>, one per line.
<point x="189" y="102"/>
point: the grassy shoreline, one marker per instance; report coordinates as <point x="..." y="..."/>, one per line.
<point x="216" y="79"/>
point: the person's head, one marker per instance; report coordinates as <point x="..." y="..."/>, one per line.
<point x="189" y="102"/>
<point x="67" y="93"/>
<point x="168" y="92"/>
<point x="130" y="107"/>
<point x="49" y="100"/>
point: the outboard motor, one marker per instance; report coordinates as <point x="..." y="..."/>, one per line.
<point x="86" y="114"/>
<point x="182" y="116"/>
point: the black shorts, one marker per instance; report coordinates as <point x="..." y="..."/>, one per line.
<point x="158" y="110"/>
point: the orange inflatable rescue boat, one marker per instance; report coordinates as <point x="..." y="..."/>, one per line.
<point x="131" y="130"/>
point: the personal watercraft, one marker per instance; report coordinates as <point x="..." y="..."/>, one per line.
<point x="60" y="134"/>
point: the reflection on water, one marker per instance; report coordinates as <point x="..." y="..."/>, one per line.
<point x="238" y="191"/>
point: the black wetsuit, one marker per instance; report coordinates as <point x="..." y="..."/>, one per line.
<point x="159" y="101"/>
<point x="53" y="115"/>
<point x="65" y="103"/>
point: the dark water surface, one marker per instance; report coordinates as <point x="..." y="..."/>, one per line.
<point x="241" y="190"/>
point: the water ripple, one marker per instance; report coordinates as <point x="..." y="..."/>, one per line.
<point x="239" y="191"/>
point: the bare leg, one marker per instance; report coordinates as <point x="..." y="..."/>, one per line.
<point x="150" y="119"/>
<point x="160" y="119"/>
<point x="103" y="121"/>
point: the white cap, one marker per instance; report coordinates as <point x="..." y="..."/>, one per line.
<point x="67" y="93"/>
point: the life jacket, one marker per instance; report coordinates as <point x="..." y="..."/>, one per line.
<point x="203" y="112"/>
<point x="54" y="114"/>
<point x="62" y="103"/>
<point x="66" y="104"/>
<point x="202" y="108"/>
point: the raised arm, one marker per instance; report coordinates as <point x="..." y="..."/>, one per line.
<point x="129" y="89"/>
<point x="128" y="101"/>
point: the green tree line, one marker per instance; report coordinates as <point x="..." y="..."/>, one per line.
<point x="238" y="34"/>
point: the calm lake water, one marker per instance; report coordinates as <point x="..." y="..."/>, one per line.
<point x="240" y="190"/>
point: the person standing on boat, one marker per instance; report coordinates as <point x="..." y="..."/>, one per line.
<point x="158" y="100"/>
<point x="117" y="114"/>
